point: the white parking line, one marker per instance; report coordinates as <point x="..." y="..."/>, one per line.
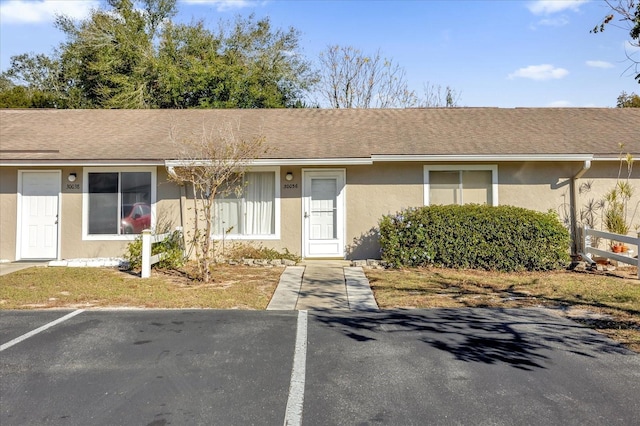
<point x="39" y="329"/>
<point x="293" y="416"/>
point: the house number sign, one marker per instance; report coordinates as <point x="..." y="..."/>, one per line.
<point x="290" y="186"/>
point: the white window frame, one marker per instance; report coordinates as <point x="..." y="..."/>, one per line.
<point x="493" y="168"/>
<point x="85" y="201"/>
<point x="276" y="234"/>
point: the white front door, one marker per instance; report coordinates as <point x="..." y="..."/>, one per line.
<point x="323" y="210"/>
<point x="38" y="231"/>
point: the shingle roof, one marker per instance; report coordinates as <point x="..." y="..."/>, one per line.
<point x="142" y="135"/>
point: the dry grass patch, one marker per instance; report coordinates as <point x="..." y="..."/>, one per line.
<point x="610" y="304"/>
<point x="234" y="287"/>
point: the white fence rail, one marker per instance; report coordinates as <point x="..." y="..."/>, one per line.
<point x="628" y="258"/>
<point x="148" y="240"/>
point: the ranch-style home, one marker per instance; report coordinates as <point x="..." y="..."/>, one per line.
<point x="83" y="183"/>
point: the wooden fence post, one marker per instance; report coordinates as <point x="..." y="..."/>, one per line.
<point x="586" y="239"/>
<point x="146" y="253"/>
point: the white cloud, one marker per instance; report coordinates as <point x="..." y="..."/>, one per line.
<point x="599" y="64"/>
<point x="223" y="5"/>
<point x="560" y="21"/>
<point x="547" y="7"/>
<point x="33" y="12"/>
<point x="540" y="72"/>
<point x="559" y="104"/>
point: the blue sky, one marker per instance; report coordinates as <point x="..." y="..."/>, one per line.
<point x="494" y="53"/>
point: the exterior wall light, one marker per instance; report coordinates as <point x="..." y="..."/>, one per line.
<point x="289" y="176"/>
<point x="72" y="177"/>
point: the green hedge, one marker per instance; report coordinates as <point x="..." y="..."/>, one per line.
<point x="502" y="238"/>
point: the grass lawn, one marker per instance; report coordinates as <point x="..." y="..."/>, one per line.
<point x="234" y="287"/>
<point x="609" y="304"/>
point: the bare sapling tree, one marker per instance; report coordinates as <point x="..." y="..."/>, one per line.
<point x="625" y="14"/>
<point x="212" y="162"/>
<point x="435" y="96"/>
<point x="351" y="79"/>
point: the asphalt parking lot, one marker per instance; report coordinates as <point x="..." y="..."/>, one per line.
<point x="413" y="367"/>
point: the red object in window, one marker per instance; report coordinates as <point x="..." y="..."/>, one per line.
<point x="137" y="217"/>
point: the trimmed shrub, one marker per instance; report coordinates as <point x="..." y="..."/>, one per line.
<point x="501" y="238"/>
<point x="172" y="245"/>
<point x="249" y="250"/>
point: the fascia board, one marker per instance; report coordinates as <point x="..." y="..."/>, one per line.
<point x="78" y="163"/>
<point x="491" y="158"/>
<point x="615" y="159"/>
<point x="283" y="162"/>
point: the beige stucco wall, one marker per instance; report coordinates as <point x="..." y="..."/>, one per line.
<point x="374" y="191"/>
<point x="72" y="244"/>
<point x="290" y="213"/>
<point x="371" y="191"/>
<point x="595" y="184"/>
<point x="8" y="211"/>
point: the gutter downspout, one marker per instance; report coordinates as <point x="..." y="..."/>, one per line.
<point x="574" y="206"/>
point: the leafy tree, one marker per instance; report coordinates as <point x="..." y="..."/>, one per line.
<point x="21" y="96"/>
<point x="38" y="72"/>
<point x="624" y="14"/>
<point x="110" y="56"/>
<point x="266" y="68"/>
<point x="15" y="97"/>
<point x="32" y="81"/>
<point x="628" y="100"/>
<point x="132" y="55"/>
<point x="192" y="73"/>
<point x="246" y="64"/>
<point x="213" y="160"/>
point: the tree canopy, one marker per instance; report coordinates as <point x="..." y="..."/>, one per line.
<point x="132" y="55"/>
<point x="630" y="100"/>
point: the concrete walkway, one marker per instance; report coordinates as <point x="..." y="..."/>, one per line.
<point x="9" y="267"/>
<point x="315" y="285"/>
<point x="323" y="285"/>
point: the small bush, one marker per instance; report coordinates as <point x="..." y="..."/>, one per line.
<point x="239" y="251"/>
<point x="172" y="246"/>
<point x="502" y="238"/>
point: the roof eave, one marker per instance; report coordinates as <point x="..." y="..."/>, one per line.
<point x="481" y="157"/>
<point x="283" y="162"/>
<point x="79" y="163"/>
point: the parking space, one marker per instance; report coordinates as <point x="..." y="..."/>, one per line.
<point x="17" y="323"/>
<point x="466" y="366"/>
<point x="141" y="367"/>
<point x="441" y="366"/>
